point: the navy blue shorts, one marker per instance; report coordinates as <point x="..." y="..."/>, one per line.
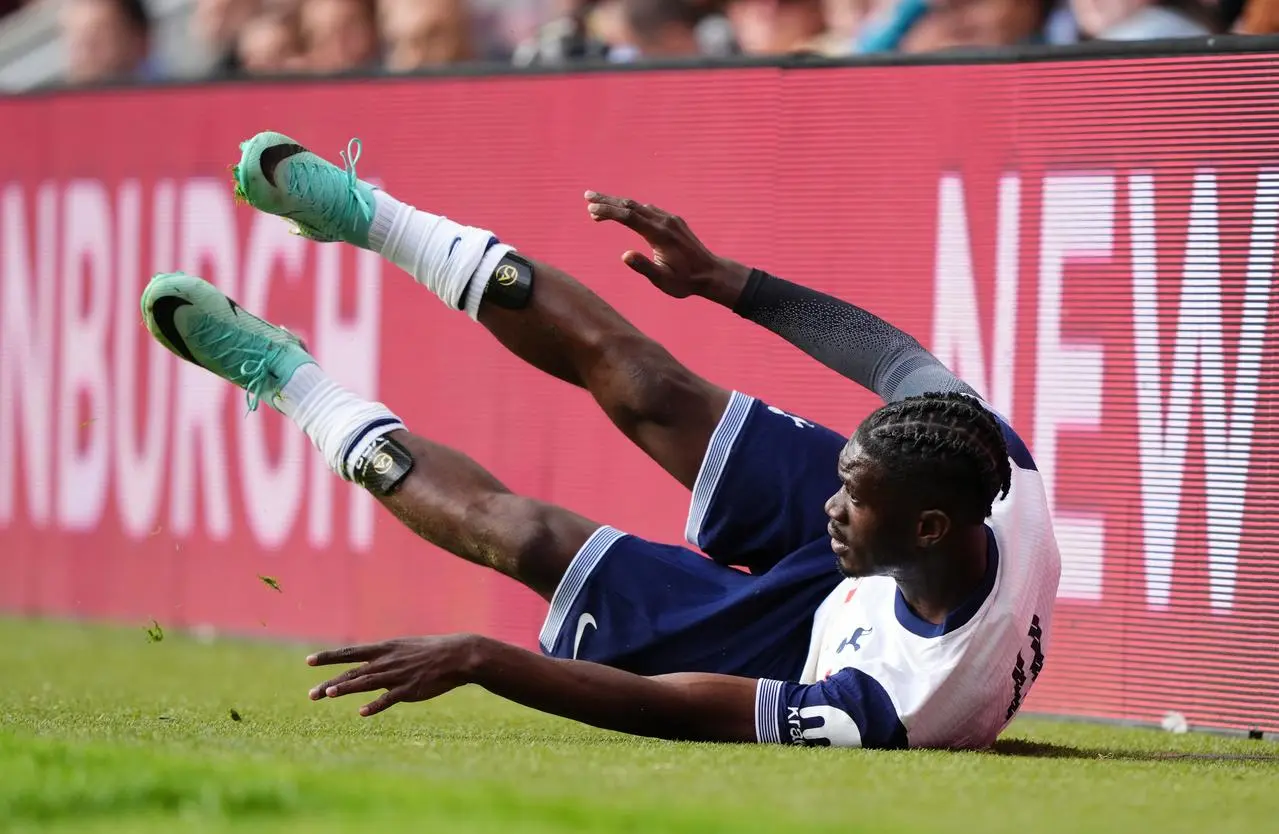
<point x="759" y="502"/>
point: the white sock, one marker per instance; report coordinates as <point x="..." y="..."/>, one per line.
<point x="451" y="260"/>
<point x="340" y="424"/>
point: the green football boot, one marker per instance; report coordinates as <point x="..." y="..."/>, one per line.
<point x="324" y="202"/>
<point x="195" y="320"/>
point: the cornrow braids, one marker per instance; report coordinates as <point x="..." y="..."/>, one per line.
<point x="945" y="447"/>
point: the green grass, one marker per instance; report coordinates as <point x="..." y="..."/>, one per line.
<point x="101" y="730"/>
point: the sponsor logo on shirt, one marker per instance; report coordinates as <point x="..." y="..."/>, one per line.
<point x="827" y="726"/>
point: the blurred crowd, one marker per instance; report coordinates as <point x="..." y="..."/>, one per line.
<point x="109" y="40"/>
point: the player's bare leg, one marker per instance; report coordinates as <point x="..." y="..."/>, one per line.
<point x="571" y="333"/>
<point x="441" y="494"/>
<point x="560" y="327"/>
<point x="453" y="502"/>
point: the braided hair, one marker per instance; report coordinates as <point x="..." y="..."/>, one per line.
<point x="944" y="448"/>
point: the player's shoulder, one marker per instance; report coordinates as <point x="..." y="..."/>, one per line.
<point x="1018" y="451"/>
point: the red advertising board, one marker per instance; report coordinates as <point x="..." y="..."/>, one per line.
<point x="1092" y="243"/>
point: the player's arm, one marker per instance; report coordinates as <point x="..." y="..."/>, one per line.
<point x="849" y="340"/>
<point x="690" y="707"/>
<point x="848" y="709"/>
<point x="846" y="338"/>
<point x="682" y="707"/>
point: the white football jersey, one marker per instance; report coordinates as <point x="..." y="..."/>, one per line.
<point x="877" y="675"/>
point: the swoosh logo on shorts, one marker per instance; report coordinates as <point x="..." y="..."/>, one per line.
<point x="582" y="622"/>
<point x="163" y="311"/>
<point x="453" y="245"/>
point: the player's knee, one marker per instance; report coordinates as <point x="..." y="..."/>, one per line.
<point x="520" y="538"/>
<point x="645" y="384"/>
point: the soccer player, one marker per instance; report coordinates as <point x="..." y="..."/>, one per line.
<point x="927" y="628"/>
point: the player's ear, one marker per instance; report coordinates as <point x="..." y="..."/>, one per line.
<point x="931" y="527"/>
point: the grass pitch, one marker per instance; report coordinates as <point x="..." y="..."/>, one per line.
<point x="101" y="730"/>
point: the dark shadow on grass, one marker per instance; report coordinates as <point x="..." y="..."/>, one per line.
<point x="1045" y="750"/>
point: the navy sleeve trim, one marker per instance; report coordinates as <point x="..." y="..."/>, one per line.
<point x="768" y="696"/>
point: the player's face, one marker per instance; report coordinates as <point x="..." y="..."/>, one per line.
<point x="867" y="534"/>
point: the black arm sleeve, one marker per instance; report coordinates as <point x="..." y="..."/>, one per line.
<point x="845" y="338"/>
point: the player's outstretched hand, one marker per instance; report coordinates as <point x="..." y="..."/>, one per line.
<point x="680" y="264"/>
<point x="409" y="669"/>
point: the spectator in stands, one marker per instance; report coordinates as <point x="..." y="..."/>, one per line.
<point x="420" y="34"/>
<point x="1228" y="12"/>
<point x="656" y="29"/>
<point x="216" y="24"/>
<point x="269" y="44"/>
<point x="606" y="23"/>
<point x="845" y="20"/>
<point x="1061" y="28"/>
<point x="1260" y="17"/>
<point x="1137" y="20"/>
<point x="338" y="35"/>
<point x="106" y="40"/>
<point x="950" y="24"/>
<point x="566" y="37"/>
<point x="885" y="29"/>
<point x="777" y="27"/>
<point x="715" y="36"/>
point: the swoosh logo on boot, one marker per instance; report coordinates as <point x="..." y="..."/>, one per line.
<point x="273" y="156"/>
<point x="163" y="311"/>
